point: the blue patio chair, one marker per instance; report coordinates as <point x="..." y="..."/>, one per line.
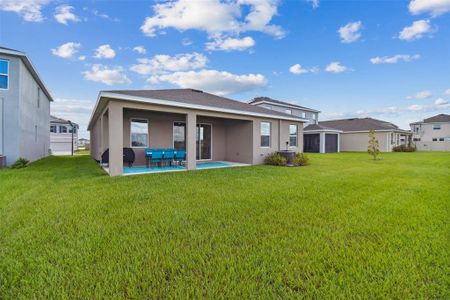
<point x="180" y="156"/>
<point x="169" y="154"/>
<point x="154" y="156"/>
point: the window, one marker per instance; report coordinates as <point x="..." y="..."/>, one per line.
<point x="398" y="139"/>
<point x="62" y="129"/>
<point x="139" y="133"/>
<point x="265" y="134"/>
<point x="74" y="130"/>
<point x="288" y="111"/>
<point x="4" y="74"/>
<point x="416" y="139"/>
<point x="53" y="128"/>
<point x="179" y="135"/>
<point x="314" y="116"/>
<point x="293" y="135"/>
<point x="434" y="139"/>
<point x="416" y="129"/>
<point x="448" y="139"/>
<point x="392" y="138"/>
<point x="441" y="139"/>
<point x="38" y="97"/>
<point x="436" y="126"/>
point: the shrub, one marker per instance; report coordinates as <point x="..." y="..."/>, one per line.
<point x="275" y="159"/>
<point x="300" y="159"/>
<point x="404" y="148"/>
<point x="20" y="163"/>
<point x="374" y="146"/>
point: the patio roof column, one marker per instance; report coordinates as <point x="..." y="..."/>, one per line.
<point x="191" y="126"/>
<point x="115" y="136"/>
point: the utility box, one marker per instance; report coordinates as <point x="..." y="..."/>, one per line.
<point x="2" y="161"/>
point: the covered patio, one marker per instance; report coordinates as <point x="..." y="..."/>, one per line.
<point x="209" y="140"/>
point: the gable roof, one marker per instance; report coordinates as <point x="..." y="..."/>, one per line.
<point x="258" y="100"/>
<point x="360" y="124"/>
<point x="319" y="127"/>
<point x="30" y="67"/>
<point x="191" y="98"/>
<point x="438" y="118"/>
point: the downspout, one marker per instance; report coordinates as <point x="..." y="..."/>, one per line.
<point x="279" y="135"/>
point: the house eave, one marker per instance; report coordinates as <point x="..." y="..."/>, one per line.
<point x="286" y="105"/>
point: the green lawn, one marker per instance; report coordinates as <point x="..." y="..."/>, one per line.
<point x="345" y="226"/>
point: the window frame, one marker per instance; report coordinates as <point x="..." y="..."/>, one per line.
<point x="261" y="135"/>
<point x="173" y="133"/>
<point x="56" y="129"/>
<point x="60" y="131"/>
<point x="436" y="126"/>
<point x="291" y="135"/>
<point x="131" y="133"/>
<point x="7" y="74"/>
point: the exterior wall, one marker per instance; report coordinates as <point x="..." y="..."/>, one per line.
<point x="360" y="141"/>
<point x="10" y="134"/>
<point x="426" y="134"/>
<point x="234" y="137"/>
<point x="278" y="138"/>
<point x="34" y="120"/>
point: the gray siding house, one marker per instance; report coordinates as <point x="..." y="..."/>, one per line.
<point x="24" y="109"/>
<point x="208" y="127"/>
<point x="432" y="134"/>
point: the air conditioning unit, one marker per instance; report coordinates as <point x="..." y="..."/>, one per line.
<point x="2" y="161"/>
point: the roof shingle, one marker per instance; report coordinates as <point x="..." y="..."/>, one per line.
<point x="438" y="118"/>
<point x="359" y="124"/>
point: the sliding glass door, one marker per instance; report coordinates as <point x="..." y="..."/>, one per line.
<point x="203" y="139"/>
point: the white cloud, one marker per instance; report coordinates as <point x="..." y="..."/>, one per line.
<point x="213" y="81"/>
<point x="433" y="7"/>
<point x="166" y="63"/>
<point x="336" y="67"/>
<point x="440" y="102"/>
<point x="314" y="3"/>
<point x="421" y="95"/>
<point x="394" y="59"/>
<point x="298" y="69"/>
<point x="104" y="51"/>
<point x="416" y="31"/>
<point x="447" y="92"/>
<point x="351" y="32"/>
<point x="78" y="111"/>
<point x="29" y="10"/>
<point x="106" y="75"/>
<point x="186" y="42"/>
<point x="104" y="16"/>
<point x="416" y="107"/>
<point x="67" y="50"/>
<point x="82" y="57"/>
<point x="64" y="14"/>
<point x="140" y="49"/>
<point x="230" y="44"/>
<point x="214" y="16"/>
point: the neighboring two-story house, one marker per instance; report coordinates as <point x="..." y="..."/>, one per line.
<point x="62" y="141"/>
<point x="316" y="138"/>
<point x="24" y="109"/>
<point x="432" y="134"/>
<point x="311" y="115"/>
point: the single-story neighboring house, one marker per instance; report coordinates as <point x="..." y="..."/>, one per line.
<point x="206" y="126"/>
<point x="24" y="109"/>
<point x="321" y="139"/>
<point x="432" y="134"/>
<point x="353" y="134"/>
<point x="62" y="141"/>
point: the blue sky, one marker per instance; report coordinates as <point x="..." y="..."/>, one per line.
<point x="385" y="59"/>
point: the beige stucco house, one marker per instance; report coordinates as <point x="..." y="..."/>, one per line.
<point x="209" y="127"/>
<point x="432" y="134"/>
<point x="353" y="133"/>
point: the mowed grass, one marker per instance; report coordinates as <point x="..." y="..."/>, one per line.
<point x="345" y="226"/>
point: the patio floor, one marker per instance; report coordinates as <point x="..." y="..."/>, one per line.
<point x="200" y="166"/>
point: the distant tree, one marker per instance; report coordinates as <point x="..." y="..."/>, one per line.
<point x="374" y="146"/>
